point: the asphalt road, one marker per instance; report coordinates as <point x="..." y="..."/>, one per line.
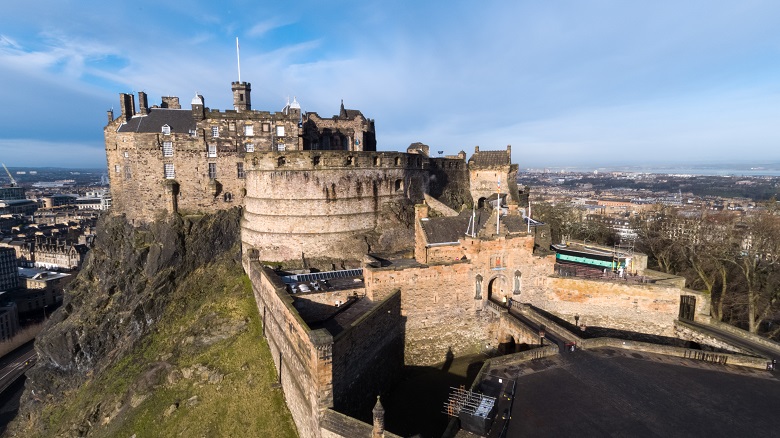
<point x="611" y="393"/>
<point x="15" y="363"/>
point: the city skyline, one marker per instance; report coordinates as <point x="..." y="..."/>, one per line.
<point x="579" y="83"/>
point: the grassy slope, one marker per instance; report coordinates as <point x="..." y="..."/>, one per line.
<point x="207" y="371"/>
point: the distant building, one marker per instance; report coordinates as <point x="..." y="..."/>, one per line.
<point x="18" y="206"/>
<point x="9" y="278"/>
<point x="11" y="193"/>
<point x="9" y="320"/>
<point x="56" y="254"/>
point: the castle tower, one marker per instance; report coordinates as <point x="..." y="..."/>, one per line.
<point x="241" y="96"/>
<point x="379" y="420"/>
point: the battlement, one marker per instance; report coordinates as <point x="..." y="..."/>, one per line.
<point x="319" y="160"/>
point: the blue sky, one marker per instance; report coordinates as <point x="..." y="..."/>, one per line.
<point x="565" y="83"/>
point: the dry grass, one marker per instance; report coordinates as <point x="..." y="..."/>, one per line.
<point x="130" y="399"/>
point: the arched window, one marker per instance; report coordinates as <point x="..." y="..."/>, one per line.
<point x="397" y="161"/>
<point x="518" y="274"/>
<point x="478" y="288"/>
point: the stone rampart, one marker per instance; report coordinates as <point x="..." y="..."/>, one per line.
<point x="706" y="356"/>
<point x="302" y="356"/>
<point x="367" y="357"/>
<point x="622" y="305"/>
<point x="330" y="204"/>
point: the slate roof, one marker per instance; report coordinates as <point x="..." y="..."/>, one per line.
<point x="180" y="121"/>
<point x="452" y="228"/>
<point x="490" y="159"/>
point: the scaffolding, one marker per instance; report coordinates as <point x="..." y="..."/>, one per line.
<point x="623" y="254"/>
<point x="466" y="402"/>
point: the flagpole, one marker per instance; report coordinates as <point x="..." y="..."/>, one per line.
<point x="238" y="58"/>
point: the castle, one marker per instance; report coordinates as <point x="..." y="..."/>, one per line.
<point x="364" y="261"/>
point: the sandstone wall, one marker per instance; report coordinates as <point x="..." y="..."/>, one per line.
<point x="439" y="309"/>
<point x="643" y="308"/>
<point x="330" y="204"/>
<point x="367" y="357"/>
<point x="449" y="182"/>
<point x="302" y="356"/>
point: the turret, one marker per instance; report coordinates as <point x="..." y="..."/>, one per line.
<point x="379" y="420"/>
<point x="198" y="108"/>
<point x="241" y="96"/>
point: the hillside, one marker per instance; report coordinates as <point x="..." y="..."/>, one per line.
<point x="158" y="336"/>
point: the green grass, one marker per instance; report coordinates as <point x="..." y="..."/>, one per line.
<point x="129" y="398"/>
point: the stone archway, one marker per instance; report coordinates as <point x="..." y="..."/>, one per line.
<point x="481" y="203"/>
<point x="498" y="289"/>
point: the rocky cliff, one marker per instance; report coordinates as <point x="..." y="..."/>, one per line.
<point x="158" y="335"/>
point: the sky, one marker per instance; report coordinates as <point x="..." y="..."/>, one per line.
<point x="566" y="83"/>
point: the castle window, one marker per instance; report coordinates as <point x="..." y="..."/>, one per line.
<point x="240" y="170"/>
<point x="128" y="175"/>
<point x="169" y="171"/>
<point x="215" y="131"/>
<point x="212" y="151"/>
<point x="166" y="130"/>
<point x="249" y="130"/>
<point x="232" y="126"/>
<point x="518" y="274"/>
<point x="376" y="161"/>
<point x="250" y="147"/>
<point x="399" y="185"/>
<point x="212" y="170"/>
<point x="193" y="133"/>
<point x="280" y="131"/>
<point x="397" y="161"/>
<point x="478" y="287"/>
<point x="167" y="149"/>
<point x="228" y="197"/>
<point x="315" y="160"/>
<point x="127" y="154"/>
<point x="350" y="161"/>
<point x="281" y="147"/>
<point x="117" y="168"/>
<point x="281" y="161"/>
<point x="266" y="127"/>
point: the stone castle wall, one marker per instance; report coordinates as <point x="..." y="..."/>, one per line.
<point x="330" y="204"/>
<point x="302" y="356"/>
<point x="367" y="357"/>
<point x="440" y="313"/>
<point x="140" y="189"/>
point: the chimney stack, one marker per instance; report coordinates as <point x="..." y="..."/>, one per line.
<point x="127" y="103"/>
<point x="110" y="114"/>
<point x="143" y="103"/>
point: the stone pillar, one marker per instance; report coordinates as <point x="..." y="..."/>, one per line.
<point x="379" y="420"/>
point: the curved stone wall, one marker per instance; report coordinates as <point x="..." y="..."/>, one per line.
<point x="328" y="204"/>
